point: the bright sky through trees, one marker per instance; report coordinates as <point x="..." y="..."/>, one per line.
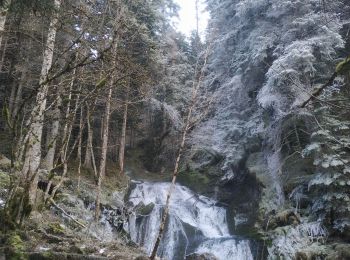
<point x="187" y="16"/>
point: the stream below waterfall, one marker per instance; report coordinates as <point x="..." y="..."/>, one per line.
<point x="195" y="224"/>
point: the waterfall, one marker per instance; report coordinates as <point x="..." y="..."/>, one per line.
<point x="195" y="224"/>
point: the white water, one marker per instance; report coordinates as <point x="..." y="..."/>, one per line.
<point x="195" y="224"/>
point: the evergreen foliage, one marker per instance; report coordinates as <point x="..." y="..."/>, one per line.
<point x="329" y="186"/>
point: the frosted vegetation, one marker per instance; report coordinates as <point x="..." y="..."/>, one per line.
<point x="268" y="57"/>
<point x="264" y="154"/>
<point x="289" y="241"/>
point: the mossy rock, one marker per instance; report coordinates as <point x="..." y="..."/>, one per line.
<point x="341" y="251"/>
<point x="143" y="209"/>
<point x="5" y="163"/>
<point x="249" y="232"/>
<point x="63" y="256"/>
<point x="20" y="201"/>
<point x="197" y="181"/>
<point x="56" y="228"/>
<point x="283" y="218"/>
<point x="343" y="67"/>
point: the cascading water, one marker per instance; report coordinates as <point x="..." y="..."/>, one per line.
<point x="195" y="224"/>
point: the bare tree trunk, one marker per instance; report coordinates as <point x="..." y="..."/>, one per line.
<point x="93" y="158"/>
<point x="123" y="137"/>
<point x="48" y="161"/>
<point x="3" y="46"/>
<point x="104" y="148"/>
<point x="15" y="92"/>
<point x="18" y="97"/>
<point x="33" y="146"/>
<point x="81" y="124"/>
<point x="67" y="132"/>
<point x="197" y="17"/>
<point x="3" y="16"/>
<point x="105" y="126"/>
<point x="87" y="160"/>
<point x="12" y="99"/>
<point x="195" y="89"/>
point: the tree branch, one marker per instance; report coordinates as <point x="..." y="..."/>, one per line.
<point x="319" y="90"/>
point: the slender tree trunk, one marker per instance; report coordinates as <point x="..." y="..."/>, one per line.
<point x="93" y="157"/>
<point x="12" y="99"/>
<point x="81" y="125"/>
<point x="197" y="17"/>
<point x="195" y="89"/>
<point x="131" y="135"/>
<point x="3" y="46"/>
<point x="123" y="137"/>
<point x="33" y="146"/>
<point x="18" y="97"/>
<point x="48" y="161"/>
<point x="67" y="132"/>
<point x="173" y="182"/>
<point x="3" y="16"/>
<point x="87" y="160"/>
<point x="104" y="148"/>
<point x="105" y="126"/>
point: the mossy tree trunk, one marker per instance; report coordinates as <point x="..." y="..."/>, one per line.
<point x="32" y="150"/>
<point x="3" y="17"/>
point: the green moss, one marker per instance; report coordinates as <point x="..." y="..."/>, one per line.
<point x="268" y="242"/>
<point x="48" y="255"/>
<point x="197" y="181"/>
<point x="343" y="66"/>
<point x="16" y="248"/>
<point x="56" y="228"/>
<point x="101" y="83"/>
<point x="4" y="180"/>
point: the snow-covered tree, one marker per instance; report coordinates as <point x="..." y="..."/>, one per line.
<point x="330" y="143"/>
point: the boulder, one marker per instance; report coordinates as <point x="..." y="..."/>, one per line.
<point x="205" y="256"/>
<point x="117" y="199"/>
<point x="342" y="251"/>
<point x="4" y="161"/>
<point x="144" y="210"/>
<point x="281" y="219"/>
